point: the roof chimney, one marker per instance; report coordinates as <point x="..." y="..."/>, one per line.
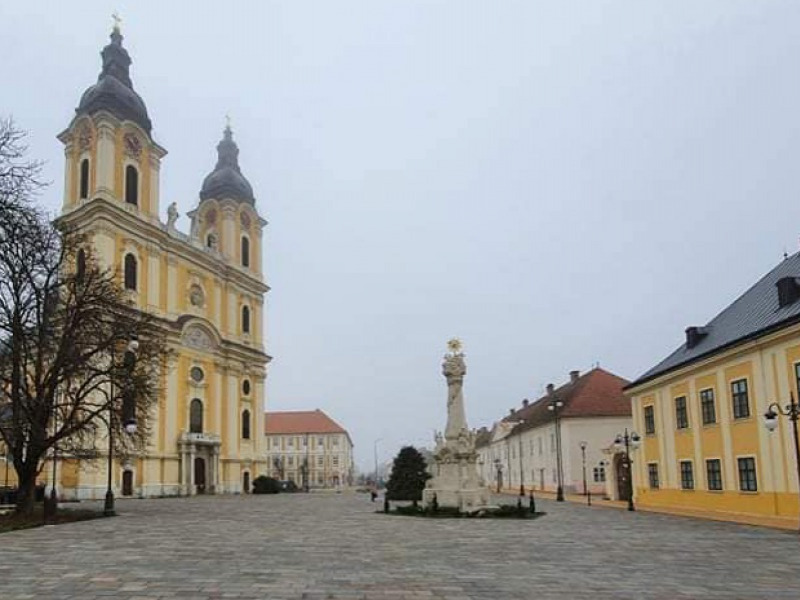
<point x="550" y="389"/>
<point x="525" y="403"/>
<point x="694" y="335"/>
<point x="788" y="291"/>
<point x="511" y="411"/>
<point x="573" y="376"/>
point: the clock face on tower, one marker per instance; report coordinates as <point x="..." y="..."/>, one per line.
<point x="133" y="146"/>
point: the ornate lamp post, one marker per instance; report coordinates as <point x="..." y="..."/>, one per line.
<point x="555" y="406"/>
<point x="792" y="410"/>
<point x="583" y="461"/>
<point x="498" y="465"/>
<point x="628" y="442"/>
<point x="128" y="419"/>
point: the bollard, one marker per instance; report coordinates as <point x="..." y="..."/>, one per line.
<point x="386" y="505"/>
<point x="589" y="498"/>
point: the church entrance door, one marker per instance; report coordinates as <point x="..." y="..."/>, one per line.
<point x="200" y="475"/>
<point x="127" y="482"/>
<point x="621" y="471"/>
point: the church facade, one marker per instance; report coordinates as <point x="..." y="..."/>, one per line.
<point x="206" y="288"/>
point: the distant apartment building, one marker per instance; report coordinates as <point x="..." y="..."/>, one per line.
<point x="308" y="447"/>
<point x="522" y="448"/>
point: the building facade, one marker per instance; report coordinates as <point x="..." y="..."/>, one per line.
<point x="308" y="448"/>
<point x="522" y="449"/>
<point x="699" y="411"/>
<point x="205" y="288"/>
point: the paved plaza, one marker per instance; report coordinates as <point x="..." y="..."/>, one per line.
<point x="324" y="546"/>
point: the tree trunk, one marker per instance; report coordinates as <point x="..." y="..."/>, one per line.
<point x="26" y="494"/>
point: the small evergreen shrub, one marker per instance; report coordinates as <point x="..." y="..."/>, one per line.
<point x="266" y="485"/>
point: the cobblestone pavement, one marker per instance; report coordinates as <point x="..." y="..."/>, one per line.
<point x="322" y="546"/>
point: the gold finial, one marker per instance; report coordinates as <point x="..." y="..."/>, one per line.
<point x="454" y="345"/>
<point x="117" y="21"/>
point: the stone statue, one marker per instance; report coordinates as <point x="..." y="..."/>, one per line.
<point x="456" y="482"/>
<point x="172" y="215"/>
<point x="454" y="370"/>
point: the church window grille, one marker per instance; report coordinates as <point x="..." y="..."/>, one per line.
<point x="130" y="272"/>
<point x="246" y="425"/>
<point x="196" y="416"/>
<point x="131" y="185"/>
<point x="245" y="251"/>
<point x="84" y="191"/>
<point x="245" y="319"/>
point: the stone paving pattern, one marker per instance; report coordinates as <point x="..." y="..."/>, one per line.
<point x="334" y="546"/>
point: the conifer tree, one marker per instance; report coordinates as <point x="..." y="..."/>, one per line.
<point x="408" y="476"/>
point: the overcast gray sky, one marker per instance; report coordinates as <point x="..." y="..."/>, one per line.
<point x="557" y="183"/>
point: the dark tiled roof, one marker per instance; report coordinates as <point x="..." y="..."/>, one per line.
<point x="596" y="393"/>
<point x="114" y="89"/>
<point x="754" y="313"/>
<point x="483" y="437"/>
<point x="226" y="180"/>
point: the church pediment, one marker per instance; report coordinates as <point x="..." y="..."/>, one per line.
<point x="199" y="335"/>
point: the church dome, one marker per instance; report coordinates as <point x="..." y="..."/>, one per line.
<point x="226" y="180"/>
<point x="114" y="91"/>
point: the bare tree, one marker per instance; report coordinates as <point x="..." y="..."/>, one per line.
<point x="65" y="323"/>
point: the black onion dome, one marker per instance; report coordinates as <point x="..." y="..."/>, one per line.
<point x="226" y="180"/>
<point x="114" y="89"/>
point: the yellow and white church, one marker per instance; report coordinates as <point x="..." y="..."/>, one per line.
<point x="206" y="289"/>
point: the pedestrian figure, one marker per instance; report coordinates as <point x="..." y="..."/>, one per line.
<point x="373" y="495"/>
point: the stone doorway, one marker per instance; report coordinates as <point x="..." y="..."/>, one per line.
<point x="127" y="482"/>
<point x="621" y="473"/>
<point x="200" y="474"/>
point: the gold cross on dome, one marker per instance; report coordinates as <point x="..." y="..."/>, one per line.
<point x="117" y="20"/>
<point x="454" y="345"/>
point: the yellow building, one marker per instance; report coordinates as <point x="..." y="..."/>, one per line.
<point x="700" y="411"/>
<point x="206" y="289"/>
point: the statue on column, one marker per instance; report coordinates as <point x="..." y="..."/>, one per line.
<point x="456" y="483"/>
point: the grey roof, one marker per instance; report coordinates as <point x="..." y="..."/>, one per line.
<point x="226" y="180"/>
<point x="753" y="314"/>
<point x="114" y="89"/>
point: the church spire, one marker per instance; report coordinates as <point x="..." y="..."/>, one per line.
<point x="226" y="180"/>
<point x="114" y="91"/>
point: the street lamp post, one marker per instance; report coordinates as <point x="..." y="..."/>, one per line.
<point x="555" y="406"/>
<point x="521" y="471"/>
<point x="583" y="462"/>
<point x="498" y="465"/>
<point x="792" y="410"/>
<point x="628" y="442"/>
<point x="375" y="452"/>
<point x="128" y="419"/>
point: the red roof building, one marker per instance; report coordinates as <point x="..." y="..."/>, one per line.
<point x="309" y="448"/>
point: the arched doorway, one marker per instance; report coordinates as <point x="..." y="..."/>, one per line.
<point x="127" y="482"/>
<point x="246" y="482"/>
<point x="200" y="475"/>
<point x="621" y="473"/>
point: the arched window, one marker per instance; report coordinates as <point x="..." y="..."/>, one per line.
<point x="246" y="425"/>
<point x="131" y="185"/>
<point x="84" y="191"/>
<point x="196" y="416"/>
<point x="245" y="251"/>
<point x="130" y="272"/>
<point x="245" y="319"/>
<point x="80" y="265"/>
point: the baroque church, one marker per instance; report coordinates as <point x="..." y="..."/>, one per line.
<point x="205" y="288"/>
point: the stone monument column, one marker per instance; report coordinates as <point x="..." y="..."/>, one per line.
<point x="454" y="370"/>
<point x="456" y="483"/>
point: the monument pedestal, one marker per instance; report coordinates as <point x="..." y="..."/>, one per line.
<point x="457" y="485"/>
